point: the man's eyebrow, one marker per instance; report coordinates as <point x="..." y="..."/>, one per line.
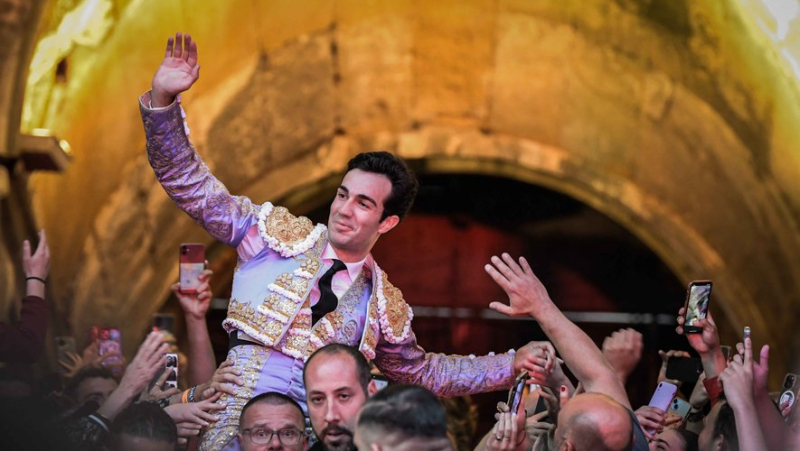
<point x="368" y="199"/>
<point x="360" y="196"/>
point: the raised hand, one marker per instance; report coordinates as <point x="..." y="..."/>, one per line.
<point x="703" y="342"/>
<point x="509" y="431"/>
<point x="623" y="350"/>
<point x="158" y="392"/>
<point x="199" y="413"/>
<point x="665" y="356"/>
<point x="525" y="292"/>
<point x="38" y="264"/>
<point x="196" y="305"/>
<point x="535" y="427"/>
<point x="149" y="359"/>
<point x="537" y="358"/>
<point x="177" y="72"/>
<point x="222" y="382"/>
<point x="652" y="420"/>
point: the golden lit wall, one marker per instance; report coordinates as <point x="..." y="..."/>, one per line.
<point x="673" y="117"/>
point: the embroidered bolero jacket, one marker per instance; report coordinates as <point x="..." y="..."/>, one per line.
<point x="279" y="262"/>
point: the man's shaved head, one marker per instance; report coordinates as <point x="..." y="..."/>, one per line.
<point x="594" y="421"/>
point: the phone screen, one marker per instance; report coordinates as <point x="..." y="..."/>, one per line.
<point x="380" y="382"/>
<point x="515" y="395"/>
<point x="172" y="367"/>
<point x="697" y="305"/>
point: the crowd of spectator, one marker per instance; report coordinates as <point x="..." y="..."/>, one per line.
<point x="102" y="403"/>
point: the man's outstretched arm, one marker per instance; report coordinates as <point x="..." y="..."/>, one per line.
<point x="528" y="297"/>
<point x="180" y="170"/>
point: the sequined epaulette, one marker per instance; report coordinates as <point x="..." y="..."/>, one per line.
<point x="285" y="233"/>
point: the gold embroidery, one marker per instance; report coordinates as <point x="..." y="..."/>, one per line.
<point x="250" y="359"/>
<point x="260" y="326"/>
<point x="311" y="265"/>
<point x="287" y="228"/>
<point x="396" y="308"/>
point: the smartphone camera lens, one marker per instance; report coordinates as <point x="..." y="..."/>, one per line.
<point x="789" y="381"/>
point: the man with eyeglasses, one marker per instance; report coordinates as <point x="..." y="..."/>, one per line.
<point x="272" y="421"/>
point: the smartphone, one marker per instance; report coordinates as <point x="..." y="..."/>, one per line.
<point x="65" y="344"/>
<point x="788" y="398"/>
<point x="108" y="340"/>
<point x="680" y="408"/>
<point x="172" y="367"/>
<point x="517" y="391"/>
<point x="662" y="397"/>
<point x="380" y="381"/>
<point x="192" y="263"/>
<point x="684" y="369"/>
<point x="164" y="322"/>
<point x="698" y="297"/>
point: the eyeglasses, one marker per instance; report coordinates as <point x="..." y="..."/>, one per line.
<point x="264" y="436"/>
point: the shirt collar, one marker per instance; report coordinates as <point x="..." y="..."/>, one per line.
<point x="353" y="269"/>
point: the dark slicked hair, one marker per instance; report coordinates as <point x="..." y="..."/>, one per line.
<point x="408" y="410"/>
<point x="404" y="182"/>
<point x="88" y="372"/>
<point x="271" y="398"/>
<point x="145" y="420"/>
<point x="362" y="366"/>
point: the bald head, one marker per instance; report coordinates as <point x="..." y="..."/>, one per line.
<point x="592" y="421"/>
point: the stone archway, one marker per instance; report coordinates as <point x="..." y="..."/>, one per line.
<point x="666" y="116"/>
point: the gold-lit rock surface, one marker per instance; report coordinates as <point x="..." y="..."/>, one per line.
<point x="673" y="117"/>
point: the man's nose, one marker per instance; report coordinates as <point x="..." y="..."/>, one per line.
<point x="274" y="443"/>
<point x="347" y="207"/>
<point x="332" y="413"/>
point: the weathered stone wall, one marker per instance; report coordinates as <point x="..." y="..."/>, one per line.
<point x="665" y="115"/>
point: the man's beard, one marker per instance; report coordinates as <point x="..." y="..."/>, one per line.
<point x="344" y="442"/>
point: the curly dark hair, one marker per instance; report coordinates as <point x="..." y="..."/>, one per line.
<point x="404" y="182"/>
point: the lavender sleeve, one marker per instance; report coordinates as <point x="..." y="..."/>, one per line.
<point x="188" y="181"/>
<point x="444" y="375"/>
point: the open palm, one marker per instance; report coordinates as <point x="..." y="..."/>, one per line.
<point x="177" y="72"/>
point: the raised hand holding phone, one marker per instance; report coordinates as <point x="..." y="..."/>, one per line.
<point x="698" y="297"/>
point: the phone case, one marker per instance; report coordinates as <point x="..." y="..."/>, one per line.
<point x="788" y="397"/>
<point x="663" y="395"/>
<point x="680" y="407"/>
<point x="192" y="263"/>
<point x="698" y="298"/>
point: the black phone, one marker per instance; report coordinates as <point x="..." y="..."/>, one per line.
<point x="698" y="296"/>
<point x="684" y="369"/>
